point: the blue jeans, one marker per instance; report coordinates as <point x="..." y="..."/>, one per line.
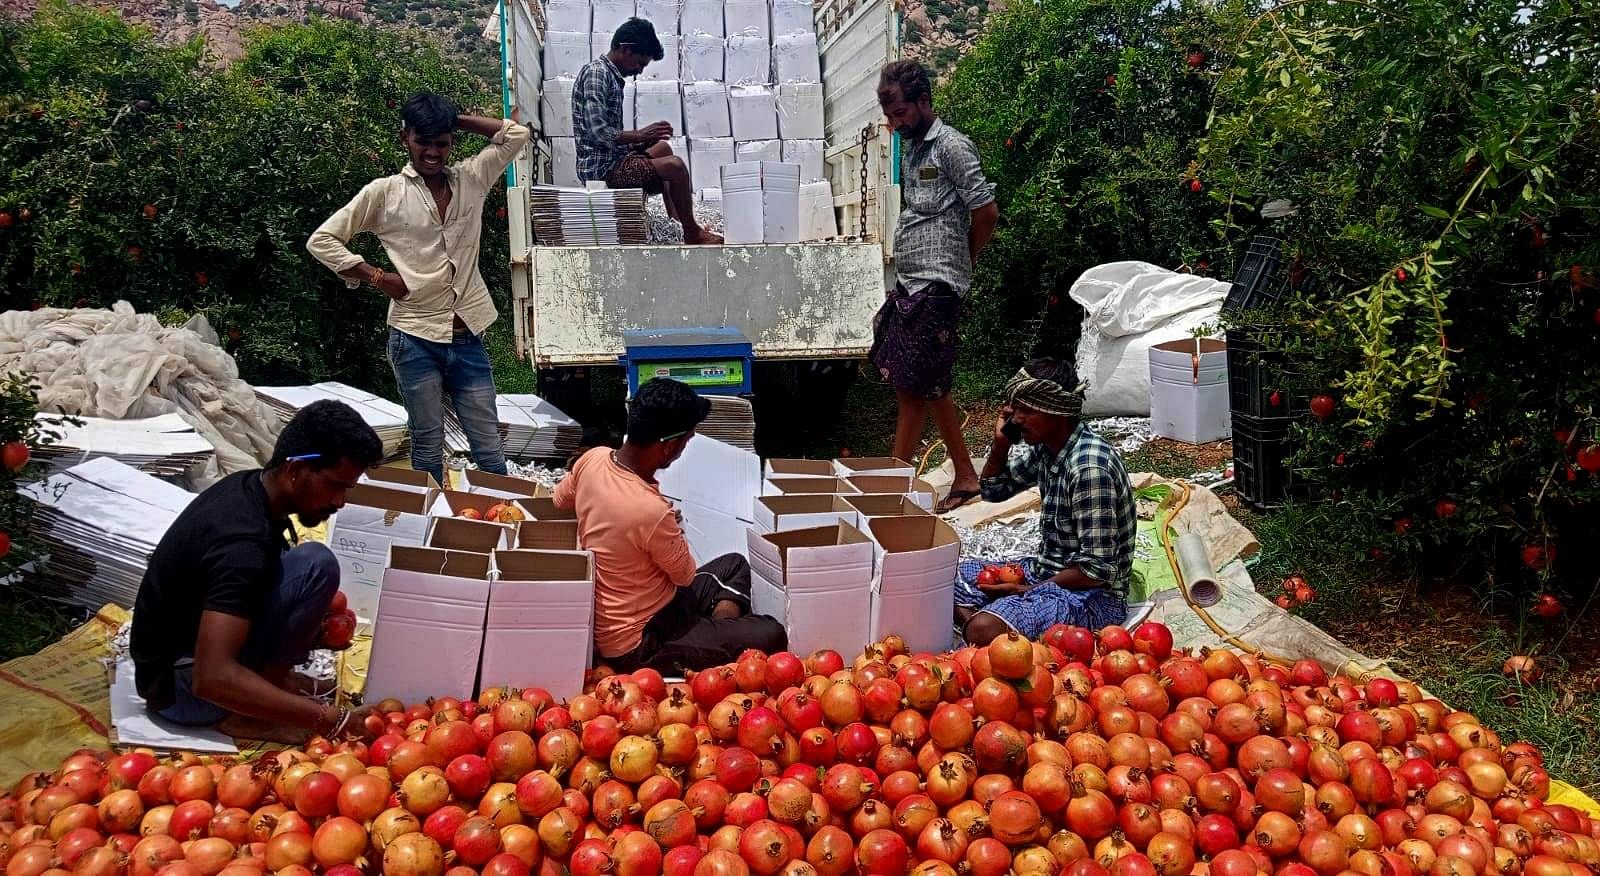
<point x="281" y="635"/>
<point x="425" y="371"/>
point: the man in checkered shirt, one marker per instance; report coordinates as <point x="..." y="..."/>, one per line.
<point x="1085" y="562"/>
<point x="638" y="159"/>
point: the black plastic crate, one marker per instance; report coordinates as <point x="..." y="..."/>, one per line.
<point x="1260" y="384"/>
<point x="1265" y="278"/>
<point x="1261" y="451"/>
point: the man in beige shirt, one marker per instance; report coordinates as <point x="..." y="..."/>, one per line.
<point x="429" y="219"/>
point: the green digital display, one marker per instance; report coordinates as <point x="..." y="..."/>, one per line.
<point x="711" y="372"/>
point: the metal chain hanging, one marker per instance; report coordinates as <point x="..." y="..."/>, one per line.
<point x="866" y="143"/>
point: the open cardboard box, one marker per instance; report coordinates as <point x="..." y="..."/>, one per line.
<point x="914" y="593"/>
<point x="450" y="503"/>
<point x="462" y="534"/>
<point x="429" y="629"/>
<point x="801" y="511"/>
<point x="502" y="486"/>
<point x="828" y="486"/>
<point x="374" y="519"/>
<point x="548" y="535"/>
<point x="393" y="477"/>
<point x="544" y="508"/>
<point x="539" y="631"/>
<point x="778" y="469"/>
<point x="817" y="582"/>
<point x="873" y="466"/>
<point x="919" y="490"/>
<point x="885" y="505"/>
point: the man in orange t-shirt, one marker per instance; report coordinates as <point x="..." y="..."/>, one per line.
<point x="652" y="607"/>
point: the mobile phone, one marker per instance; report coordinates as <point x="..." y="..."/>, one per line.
<point x="1012" y="430"/>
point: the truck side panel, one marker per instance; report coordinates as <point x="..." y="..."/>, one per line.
<point x="800" y="301"/>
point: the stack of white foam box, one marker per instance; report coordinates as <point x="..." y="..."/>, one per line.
<point x="761" y="202"/>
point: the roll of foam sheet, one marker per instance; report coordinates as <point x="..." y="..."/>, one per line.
<point x="555" y="107"/>
<point x="700" y="59"/>
<point x="702" y="16"/>
<point x="794" y="58"/>
<point x="747" y="61"/>
<point x="753" y="112"/>
<point x="658" y="102"/>
<point x="708" y="157"/>
<point x="1194" y="563"/>
<point x="666" y="69"/>
<point x="571" y="16"/>
<point x="746" y="18"/>
<point x="759" y="150"/>
<point x="809" y="155"/>
<point x="565" y="54"/>
<point x="800" y="111"/>
<point x="609" y="15"/>
<point x="705" y="110"/>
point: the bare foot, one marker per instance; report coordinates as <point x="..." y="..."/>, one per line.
<point x="701" y="237"/>
<point x="242" y="727"/>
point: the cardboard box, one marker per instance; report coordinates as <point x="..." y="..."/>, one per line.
<point x="817" y="582"/>
<point x="714" y="474"/>
<point x="565" y="53"/>
<point x="662" y="14"/>
<point x="705" y="111"/>
<point x="808" y="486"/>
<point x="543" y="508"/>
<point x="666" y="69"/>
<point x="747" y="60"/>
<point x="795" y="58"/>
<point x="873" y="466"/>
<point x="792" y="16"/>
<point x="571" y="16"/>
<point x="809" y="155"/>
<point x="1189" y="390"/>
<point x="753" y="111"/>
<point x="886" y="505"/>
<point x="429" y="630"/>
<point x="817" y="219"/>
<point x="709" y="155"/>
<point x="919" y="490"/>
<point x="555" y="107"/>
<point x="564" y="161"/>
<point x="548" y="535"/>
<point x="502" y="486"/>
<point x="472" y="536"/>
<point x="747" y="18"/>
<point x="783" y="513"/>
<point x="450" y="503"/>
<point x="778" y="469"/>
<point x="758" y="150"/>
<point x="703" y="17"/>
<point x="914" y="589"/>
<point x="658" y="102"/>
<point x="608" y="15"/>
<point x="799" y="107"/>
<point x="539" y="630"/>
<point x="408" y="479"/>
<point x="374" y="519"/>
<point x="700" y="59"/>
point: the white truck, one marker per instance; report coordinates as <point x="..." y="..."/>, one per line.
<point x="807" y="301"/>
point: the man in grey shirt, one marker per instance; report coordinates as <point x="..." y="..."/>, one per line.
<point x="948" y="216"/>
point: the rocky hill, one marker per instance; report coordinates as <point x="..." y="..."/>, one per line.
<point x="937" y="32"/>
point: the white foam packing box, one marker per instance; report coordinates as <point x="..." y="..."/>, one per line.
<point x="565" y="54"/>
<point x="539" y="628"/>
<point x="608" y="16"/>
<point x="473" y="536"/>
<point x="658" y="102"/>
<point x="662" y="14"/>
<point x="712" y="485"/>
<point x="708" y="156"/>
<point x="747" y="60"/>
<point x="913" y="590"/>
<point x="702" y="16"/>
<point x="429" y="630"/>
<point x="564" y="161"/>
<point x="705" y="110"/>
<point x="373" y="520"/>
<point x="817" y="582"/>
<point x="779" y="468"/>
<point x="759" y="150"/>
<point x="666" y="69"/>
<point x="808" y="154"/>
<point x="783" y="513"/>
<point x="817" y="219"/>
<point x="747" y="18"/>
<point x="501" y="486"/>
<point x="570" y="16"/>
<point x="555" y="107"/>
<point x="408" y="479"/>
<point x="799" y="108"/>
<point x="792" y="16"/>
<point x="885" y="505"/>
<point x="753" y="111"/>
<point x="873" y="466"/>
<point x="700" y="59"/>
<point x="547" y="535"/>
<point x="920" y="491"/>
<point x="795" y="59"/>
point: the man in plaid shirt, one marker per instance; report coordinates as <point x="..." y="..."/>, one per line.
<point x="638" y="159"/>
<point x="1081" y="573"/>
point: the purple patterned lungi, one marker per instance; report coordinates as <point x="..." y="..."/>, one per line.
<point x="914" y="340"/>
<point x="1043" y="605"/>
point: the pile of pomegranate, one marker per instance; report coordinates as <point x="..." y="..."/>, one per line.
<point x="1082" y="754"/>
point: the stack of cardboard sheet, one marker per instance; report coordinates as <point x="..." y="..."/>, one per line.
<point x="731" y="421"/>
<point x="165" y="446"/>
<point x="588" y="217"/>
<point x="530" y="428"/>
<point x="385" y="417"/>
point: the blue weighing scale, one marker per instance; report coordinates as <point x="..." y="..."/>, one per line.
<point x="713" y="361"/>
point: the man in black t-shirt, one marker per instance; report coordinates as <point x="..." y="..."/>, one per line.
<point x="227" y="608"/>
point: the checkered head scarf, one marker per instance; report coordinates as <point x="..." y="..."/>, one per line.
<point x="1046" y="396"/>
